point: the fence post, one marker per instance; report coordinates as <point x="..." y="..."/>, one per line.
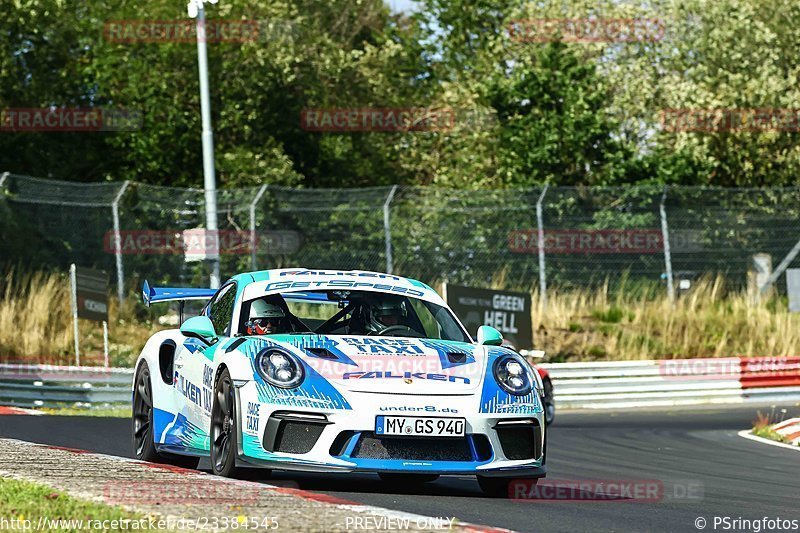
<point x="667" y="253"/>
<point x="73" y="283"/>
<point x="540" y="246"/>
<point x="118" y="243"/>
<point x="387" y="230"/>
<point x="784" y="264"/>
<point x="253" y="238"/>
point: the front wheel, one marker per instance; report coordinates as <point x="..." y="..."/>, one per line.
<point x="144" y="447"/>
<point x="223" y="427"/>
<point x="498" y="487"/>
<point x="548" y="402"/>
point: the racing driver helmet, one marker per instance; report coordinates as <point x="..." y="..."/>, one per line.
<point x="266" y="319"/>
<point x="385" y="313"/>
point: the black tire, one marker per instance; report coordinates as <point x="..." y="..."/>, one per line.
<point x="497" y="487"/>
<point x="408" y="479"/>
<point x="548" y="402"/>
<point x="223" y="427"/>
<point x="144" y="447"/>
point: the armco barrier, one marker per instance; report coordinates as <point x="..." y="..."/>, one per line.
<point x="675" y="382"/>
<point x="55" y="386"/>
<point x="599" y="385"/>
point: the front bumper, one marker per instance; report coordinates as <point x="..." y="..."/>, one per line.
<point x="319" y="439"/>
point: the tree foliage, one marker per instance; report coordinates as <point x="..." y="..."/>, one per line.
<point x="525" y="112"/>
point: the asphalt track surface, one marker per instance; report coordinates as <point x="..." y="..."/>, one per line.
<point x="696" y="449"/>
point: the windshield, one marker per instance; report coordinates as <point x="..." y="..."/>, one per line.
<point x="349" y="313"/>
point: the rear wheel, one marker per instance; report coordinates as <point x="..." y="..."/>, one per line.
<point x="144" y="447"/>
<point x="497" y="487"/>
<point x="223" y="427"/>
<point x="408" y="479"/>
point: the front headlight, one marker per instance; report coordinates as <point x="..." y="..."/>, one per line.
<point x="280" y="368"/>
<point x="514" y="375"/>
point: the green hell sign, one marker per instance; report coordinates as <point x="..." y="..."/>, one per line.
<point x="508" y="312"/>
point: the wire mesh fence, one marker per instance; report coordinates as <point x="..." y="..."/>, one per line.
<point x="520" y="238"/>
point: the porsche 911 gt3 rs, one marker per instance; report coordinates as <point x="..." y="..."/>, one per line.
<point x="336" y="371"/>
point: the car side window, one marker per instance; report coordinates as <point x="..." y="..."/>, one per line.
<point x="220" y="310"/>
<point x="426" y="319"/>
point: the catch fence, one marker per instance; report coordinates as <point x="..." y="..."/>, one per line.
<point x="506" y="238"/>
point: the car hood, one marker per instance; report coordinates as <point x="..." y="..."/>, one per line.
<point x="391" y="365"/>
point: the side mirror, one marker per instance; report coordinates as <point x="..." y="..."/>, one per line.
<point x="201" y="328"/>
<point x="489" y="336"/>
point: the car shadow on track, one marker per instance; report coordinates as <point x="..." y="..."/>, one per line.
<point x="453" y="486"/>
<point x="371" y="483"/>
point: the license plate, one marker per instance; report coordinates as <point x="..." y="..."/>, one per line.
<point x="412" y="426"/>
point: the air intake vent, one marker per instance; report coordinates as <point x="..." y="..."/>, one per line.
<point x="371" y="446"/>
<point x="293" y="432"/>
<point x="520" y="439"/>
<point x="297" y="437"/>
<point x="321" y="352"/>
<point x="339" y="445"/>
<point x="457" y="357"/>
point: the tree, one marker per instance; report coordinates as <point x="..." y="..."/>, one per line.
<point x="554" y="125"/>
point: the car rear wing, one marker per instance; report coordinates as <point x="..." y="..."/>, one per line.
<point x="151" y="295"/>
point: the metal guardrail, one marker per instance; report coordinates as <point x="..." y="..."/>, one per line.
<point x="598" y="385"/>
<point x="64" y="386"/>
<point x="668" y="383"/>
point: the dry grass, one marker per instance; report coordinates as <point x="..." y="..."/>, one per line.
<point x="637" y="323"/>
<point x="36" y="324"/>
<point x="34" y="317"/>
<point x="641" y="323"/>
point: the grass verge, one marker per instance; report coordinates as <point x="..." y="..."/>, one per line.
<point x="762" y="426"/>
<point x="102" y="412"/>
<point x="767" y="433"/>
<point x="22" y="501"/>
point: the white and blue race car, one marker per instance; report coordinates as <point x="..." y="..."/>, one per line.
<point x="336" y="371"/>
